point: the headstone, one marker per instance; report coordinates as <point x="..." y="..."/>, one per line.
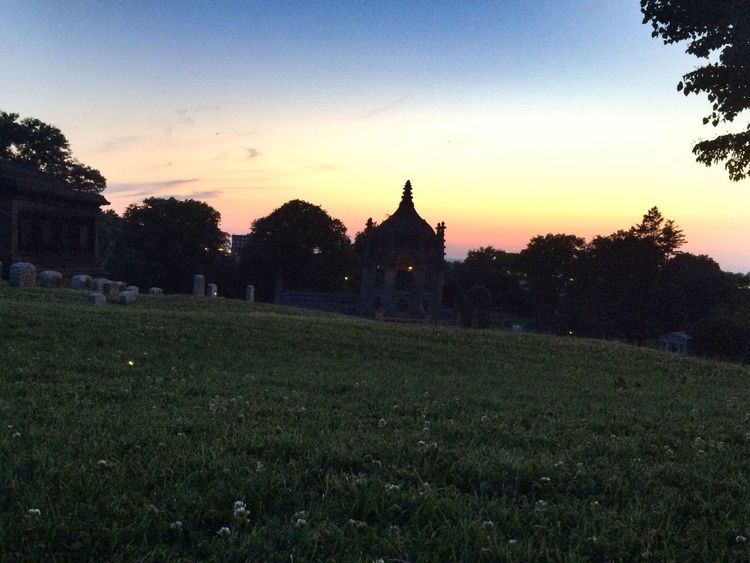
<point x="22" y="274"/>
<point x="81" y="281"/>
<point x="50" y="278"/>
<point x="121" y="285"/>
<point x="96" y="298"/>
<point x="518" y="329"/>
<point x="97" y="284"/>
<point x="133" y="288"/>
<point x="111" y="288"/>
<point x="155" y="291"/>
<point x="212" y="290"/>
<point x="250" y="294"/>
<point x="127" y="297"/>
<point x="199" y="285"/>
<point x="1" y="271"/>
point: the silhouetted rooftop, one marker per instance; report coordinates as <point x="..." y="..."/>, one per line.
<point x="405" y="223"/>
<point x="22" y="179"/>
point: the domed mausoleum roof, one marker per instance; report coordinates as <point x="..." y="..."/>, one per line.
<point x="405" y="224"/>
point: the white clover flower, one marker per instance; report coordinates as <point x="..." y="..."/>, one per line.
<point x="390" y="487"/>
<point x="488" y="525"/>
<point x="300" y="522"/>
<point x="382" y="423"/>
<point x="512" y="541"/>
<point x="35" y="512"/>
<point x="545" y="479"/>
<point x="223" y="532"/>
<point x="240" y="510"/>
<point x="300" y="514"/>
<point x="740" y="539"/>
<point x="176" y="525"/>
<point x="559" y="464"/>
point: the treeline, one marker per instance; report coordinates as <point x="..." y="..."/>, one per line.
<point x="631" y="285"/>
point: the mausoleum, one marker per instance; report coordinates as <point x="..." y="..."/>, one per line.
<point x="44" y="222"/>
<point x="403" y="265"/>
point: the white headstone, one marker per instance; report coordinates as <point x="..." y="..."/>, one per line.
<point x="127" y="297"/>
<point x="155" y="291"/>
<point x="81" y="281"/>
<point x="49" y="278"/>
<point x="133" y="288"/>
<point x="22" y="274"/>
<point x="111" y="288"/>
<point x="250" y="294"/>
<point x="212" y="290"/>
<point x="199" y="285"/>
<point x="96" y="298"/>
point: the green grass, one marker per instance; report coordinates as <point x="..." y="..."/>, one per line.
<point x="400" y="443"/>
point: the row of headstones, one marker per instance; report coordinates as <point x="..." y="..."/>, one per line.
<point x="200" y="289"/>
<point x="23" y="275"/>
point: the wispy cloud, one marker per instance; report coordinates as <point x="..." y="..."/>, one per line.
<point x="251" y="152"/>
<point x="185" y="115"/>
<point x="119" y="143"/>
<point x="148" y="187"/>
<point x="384" y="108"/>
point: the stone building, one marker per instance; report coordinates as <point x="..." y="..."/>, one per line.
<point x="44" y="222"/>
<point x="403" y="265"/>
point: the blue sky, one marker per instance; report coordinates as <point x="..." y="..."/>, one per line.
<point x="512" y="118"/>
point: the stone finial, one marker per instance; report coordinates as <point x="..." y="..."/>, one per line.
<point x="22" y="274"/>
<point x="406" y="197"/>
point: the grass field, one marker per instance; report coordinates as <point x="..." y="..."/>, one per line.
<point x="175" y="429"/>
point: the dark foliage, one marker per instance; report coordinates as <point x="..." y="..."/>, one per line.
<point x="496" y="271"/>
<point x="477" y="307"/>
<point x="165" y="241"/>
<point x="44" y="148"/>
<point x="298" y="246"/>
<point x="712" y="27"/>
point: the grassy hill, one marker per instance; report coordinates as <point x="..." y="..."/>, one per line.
<point x="134" y="431"/>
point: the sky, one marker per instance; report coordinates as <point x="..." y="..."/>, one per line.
<point x="511" y="118"/>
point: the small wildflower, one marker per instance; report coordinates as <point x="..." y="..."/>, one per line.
<point x="559" y="464"/>
<point x="740" y="539"/>
<point x="223" y="532"/>
<point x="300" y="522"/>
<point x="131" y="363"/>
<point x="16" y="434"/>
<point x="300" y="514"/>
<point x="176" y="525"/>
<point x="240" y="510"/>
<point x="390" y="487"/>
<point x="35" y="512"/>
<point x="545" y="479"/>
<point x="512" y="541"/>
<point x="488" y="525"/>
<point x="382" y="423"/>
<point x="102" y="464"/>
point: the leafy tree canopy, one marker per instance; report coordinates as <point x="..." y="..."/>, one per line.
<point x="44" y="148"/>
<point x="301" y="246"/>
<point x="719" y="31"/>
<point x="165" y="241"/>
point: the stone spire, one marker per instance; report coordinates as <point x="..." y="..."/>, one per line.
<point x="406" y="197"/>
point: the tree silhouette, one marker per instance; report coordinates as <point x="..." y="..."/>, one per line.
<point x="663" y="232"/>
<point x="711" y="27"/>
<point x="165" y="241"/>
<point x="298" y="246"/>
<point x="44" y="148"/>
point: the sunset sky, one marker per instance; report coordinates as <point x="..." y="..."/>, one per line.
<point x="511" y="118"/>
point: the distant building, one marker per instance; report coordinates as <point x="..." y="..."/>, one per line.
<point x="44" y="222"/>
<point x="403" y="265"/>
<point x="238" y="243"/>
<point x="675" y="342"/>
